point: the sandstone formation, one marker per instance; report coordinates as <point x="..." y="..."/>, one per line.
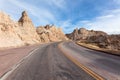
<point x="26" y="30"/>
<point x="50" y="33"/>
<point x="23" y="32"/>
<point x="114" y="42"/>
<point x="99" y="38"/>
<point x="13" y="34"/>
<point x="108" y="41"/>
<point x="83" y="34"/>
<point x="8" y="35"/>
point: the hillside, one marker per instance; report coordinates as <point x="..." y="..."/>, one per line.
<point x="97" y="38"/>
<point x="51" y="33"/>
<point x="23" y="32"/>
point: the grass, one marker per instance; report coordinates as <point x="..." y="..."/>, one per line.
<point x="94" y="47"/>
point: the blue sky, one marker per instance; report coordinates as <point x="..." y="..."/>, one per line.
<point x="69" y="14"/>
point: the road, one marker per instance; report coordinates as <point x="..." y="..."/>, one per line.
<point x="57" y="61"/>
<point x="108" y="66"/>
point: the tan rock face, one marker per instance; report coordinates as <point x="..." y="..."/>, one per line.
<point x="24" y="19"/>
<point x="8" y="36"/>
<point x="83" y="34"/>
<point x="101" y="39"/>
<point x="26" y="30"/>
<point x="50" y="33"/>
<point x="23" y="32"/>
<point x="108" y="41"/>
<point x="17" y="33"/>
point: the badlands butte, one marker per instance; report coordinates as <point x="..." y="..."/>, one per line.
<point x="23" y="32"/>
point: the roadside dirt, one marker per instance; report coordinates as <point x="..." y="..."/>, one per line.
<point x="93" y="47"/>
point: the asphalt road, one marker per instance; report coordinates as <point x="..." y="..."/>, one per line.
<point x="106" y="65"/>
<point x="49" y="62"/>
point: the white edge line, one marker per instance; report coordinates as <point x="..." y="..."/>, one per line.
<point x="17" y="65"/>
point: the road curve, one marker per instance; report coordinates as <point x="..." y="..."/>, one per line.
<point x="108" y="66"/>
<point x="48" y="63"/>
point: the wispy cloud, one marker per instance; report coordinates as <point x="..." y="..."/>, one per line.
<point x="108" y="22"/>
<point x="58" y="3"/>
<point x="41" y="15"/>
<point x="67" y="26"/>
<point x="44" y="16"/>
<point x="117" y="1"/>
<point x="98" y="15"/>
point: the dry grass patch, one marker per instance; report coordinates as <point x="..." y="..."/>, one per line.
<point x="95" y="47"/>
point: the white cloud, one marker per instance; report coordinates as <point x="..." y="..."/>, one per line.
<point x="43" y="14"/>
<point x="58" y="3"/>
<point x="117" y="1"/>
<point x="38" y="12"/>
<point x="67" y="26"/>
<point x="109" y="23"/>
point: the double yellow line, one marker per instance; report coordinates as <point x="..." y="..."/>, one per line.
<point x="87" y="70"/>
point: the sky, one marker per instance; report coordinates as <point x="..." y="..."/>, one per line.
<point x="68" y="14"/>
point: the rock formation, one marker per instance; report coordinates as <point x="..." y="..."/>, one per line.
<point x="26" y="30"/>
<point x="50" y="33"/>
<point x="8" y="35"/>
<point x="108" y="41"/>
<point x="23" y="32"/>
<point x="114" y="42"/>
<point x="13" y="34"/>
<point x="99" y="38"/>
<point x="83" y="34"/>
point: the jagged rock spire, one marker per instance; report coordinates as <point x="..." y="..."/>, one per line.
<point x="24" y="18"/>
<point x="76" y="31"/>
<point x="24" y="13"/>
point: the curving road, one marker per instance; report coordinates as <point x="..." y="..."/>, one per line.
<point x="48" y="63"/>
<point x="108" y="66"/>
<point x="51" y="62"/>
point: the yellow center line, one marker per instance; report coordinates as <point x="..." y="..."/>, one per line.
<point x="75" y="61"/>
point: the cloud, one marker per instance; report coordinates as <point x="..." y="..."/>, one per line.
<point x="108" y="22"/>
<point x="68" y="14"/>
<point x="40" y="14"/>
<point x="117" y="1"/>
<point x="66" y="25"/>
<point x="43" y="15"/>
<point x="58" y="3"/>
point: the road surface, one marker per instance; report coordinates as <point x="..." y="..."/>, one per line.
<point x="58" y="61"/>
<point x="108" y="66"/>
<point x="48" y="63"/>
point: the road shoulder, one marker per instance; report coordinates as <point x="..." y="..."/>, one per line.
<point x="11" y="57"/>
<point x="107" y="51"/>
